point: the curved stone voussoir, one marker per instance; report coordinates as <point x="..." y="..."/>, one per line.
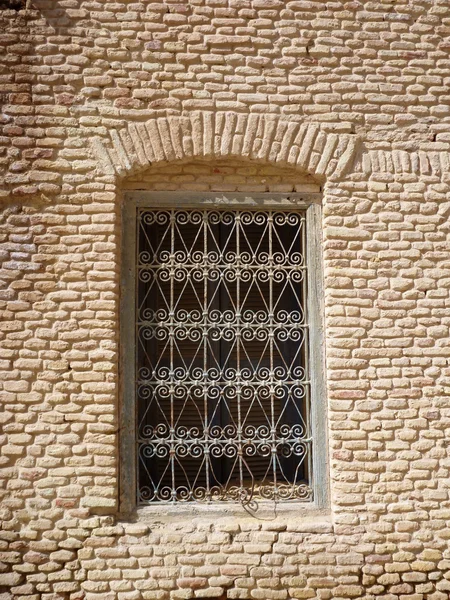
<point x="208" y="135"/>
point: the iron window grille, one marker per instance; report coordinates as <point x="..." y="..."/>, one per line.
<point x="222" y="367"/>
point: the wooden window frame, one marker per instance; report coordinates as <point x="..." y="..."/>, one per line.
<point x="311" y="204"/>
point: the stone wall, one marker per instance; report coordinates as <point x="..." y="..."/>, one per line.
<point x="350" y="98"/>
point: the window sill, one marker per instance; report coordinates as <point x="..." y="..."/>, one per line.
<point x="307" y="514"/>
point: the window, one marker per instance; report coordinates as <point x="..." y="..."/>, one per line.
<point x="220" y="353"/>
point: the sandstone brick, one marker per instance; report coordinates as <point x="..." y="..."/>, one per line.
<point x="346" y="99"/>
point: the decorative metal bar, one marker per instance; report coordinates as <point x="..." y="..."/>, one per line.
<point x="222" y="368"/>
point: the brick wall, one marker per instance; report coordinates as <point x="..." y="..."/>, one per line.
<point x="351" y="98"/>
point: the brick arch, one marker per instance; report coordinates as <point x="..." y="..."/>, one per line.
<point x="208" y="135"/>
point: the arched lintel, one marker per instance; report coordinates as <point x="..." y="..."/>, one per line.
<point x="206" y="135"/>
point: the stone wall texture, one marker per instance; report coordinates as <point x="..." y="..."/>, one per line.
<point x="351" y="98"/>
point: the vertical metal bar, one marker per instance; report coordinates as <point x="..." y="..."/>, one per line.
<point x="271" y="359"/>
<point x="205" y="352"/>
<point x="306" y="341"/>
<point x="171" y="334"/>
<point x="237" y="217"/>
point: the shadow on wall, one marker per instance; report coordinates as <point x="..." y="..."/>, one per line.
<point x="12" y="4"/>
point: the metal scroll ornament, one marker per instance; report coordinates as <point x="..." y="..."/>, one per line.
<point x="222" y="381"/>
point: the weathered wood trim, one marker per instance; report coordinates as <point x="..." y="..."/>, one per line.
<point x="318" y="416"/>
<point x="127" y="424"/>
<point x="315" y="309"/>
<point x="284" y="201"/>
